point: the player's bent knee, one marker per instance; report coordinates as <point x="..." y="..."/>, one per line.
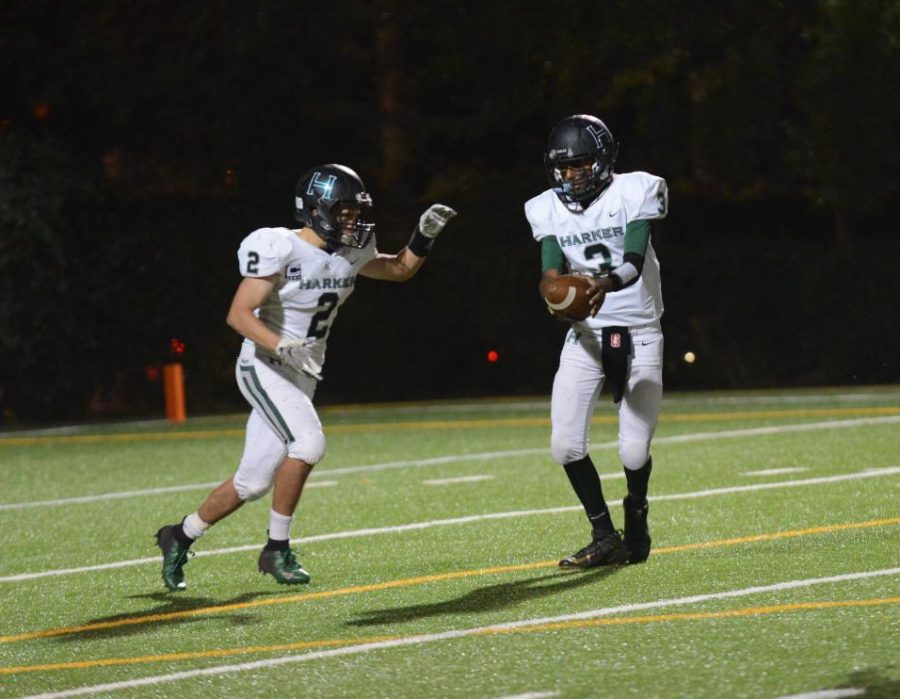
<point x="634" y="454"/>
<point x="309" y="448"/>
<point x="565" y="451"/>
<point x="249" y="489"/>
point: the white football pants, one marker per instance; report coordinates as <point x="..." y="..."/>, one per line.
<point x="283" y="422"/>
<point x="577" y="386"/>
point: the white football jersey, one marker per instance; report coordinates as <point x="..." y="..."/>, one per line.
<point x="312" y="285"/>
<point x="593" y="242"/>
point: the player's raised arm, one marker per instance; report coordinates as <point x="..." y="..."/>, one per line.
<point x="401" y="266"/>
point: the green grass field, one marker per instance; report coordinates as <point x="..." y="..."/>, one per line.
<point x="432" y="532"/>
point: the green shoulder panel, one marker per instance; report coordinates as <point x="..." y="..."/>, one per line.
<point x="552" y="255"/>
<point x="637" y="235"/>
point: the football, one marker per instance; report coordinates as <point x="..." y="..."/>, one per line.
<point x="566" y="295"/>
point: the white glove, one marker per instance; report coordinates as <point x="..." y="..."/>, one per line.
<point x="296" y="354"/>
<point x="434" y="219"/>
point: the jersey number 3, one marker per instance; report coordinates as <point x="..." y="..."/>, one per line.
<point x="599" y="250"/>
<point x="321" y="321"/>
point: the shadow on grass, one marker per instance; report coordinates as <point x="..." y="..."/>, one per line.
<point x="875" y="685"/>
<point x="488" y="598"/>
<point x="136" y="622"/>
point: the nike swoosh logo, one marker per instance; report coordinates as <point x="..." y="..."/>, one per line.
<point x="644" y="344"/>
<point x="613" y="213"/>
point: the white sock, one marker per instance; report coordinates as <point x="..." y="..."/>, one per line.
<point x="194" y="527"/>
<point x="280" y="526"/>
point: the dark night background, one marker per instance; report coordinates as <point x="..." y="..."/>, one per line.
<point x="140" y="142"/>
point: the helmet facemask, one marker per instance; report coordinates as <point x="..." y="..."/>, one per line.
<point x="576" y="179"/>
<point x="346" y="222"/>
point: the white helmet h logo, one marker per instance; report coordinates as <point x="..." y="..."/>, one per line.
<point x="323" y="184"/>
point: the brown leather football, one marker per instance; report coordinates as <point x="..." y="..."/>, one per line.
<point x="566" y="295"/>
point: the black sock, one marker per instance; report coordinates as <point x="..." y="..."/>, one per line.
<point x="638" y="480"/>
<point x="180" y="536"/>
<point x="586" y="483"/>
<point x="277" y="545"/>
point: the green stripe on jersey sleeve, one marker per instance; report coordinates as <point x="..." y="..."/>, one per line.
<point x="637" y="235"/>
<point x="552" y="255"/>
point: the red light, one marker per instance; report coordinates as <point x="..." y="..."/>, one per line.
<point x="41" y="111"/>
<point x="176" y="347"/>
<point x="151" y="373"/>
<point x="492" y="356"/>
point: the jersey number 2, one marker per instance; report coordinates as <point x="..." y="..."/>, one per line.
<point x="252" y="262"/>
<point x="321" y="321"/>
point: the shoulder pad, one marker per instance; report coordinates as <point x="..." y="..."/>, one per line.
<point x="537" y="211"/>
<point x="263" y="252"/>
<point x="645" y="196"/>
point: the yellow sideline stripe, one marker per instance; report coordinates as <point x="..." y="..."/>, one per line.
<point x="488" y="423"/>
<point x="549" y="626"/>
<point x="420" y="580"/>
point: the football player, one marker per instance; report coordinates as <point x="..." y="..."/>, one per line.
<point x="294" y="282"/>
<point x="596" y="222"/>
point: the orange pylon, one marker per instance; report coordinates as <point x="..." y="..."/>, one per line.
<point x="173" y="387"/>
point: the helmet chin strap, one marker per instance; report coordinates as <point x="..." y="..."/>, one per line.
<point x="594" y="197"/>
<point x="331" y="245"/>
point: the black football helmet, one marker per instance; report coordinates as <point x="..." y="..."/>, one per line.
<point x="580" y="141"/>
<point x="322" y="192"/>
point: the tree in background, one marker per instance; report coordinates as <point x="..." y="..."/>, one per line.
<point x="846" y="142"/>
<point x="139" y="143"/>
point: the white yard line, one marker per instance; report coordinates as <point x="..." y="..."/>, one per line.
<point x="417" y="526"/>
<point x="421" y="639"/>
<point x="479" y="456"/>
<point x="775" y="471"/>
<point x="460" y="479"/>
<point x="134" y="493"/>
<point x="109" y="496"/>
<point x="867" y="473"/>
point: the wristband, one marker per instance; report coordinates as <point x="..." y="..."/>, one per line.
<point x="615" y="280"/>
<point x="420" y="245"/>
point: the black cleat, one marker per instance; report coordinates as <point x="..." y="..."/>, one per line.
<point x="283" y="566"/>
<point x="604" y="550"/>
<point x="637" y="535"/>
<point x="174" y="557"/>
